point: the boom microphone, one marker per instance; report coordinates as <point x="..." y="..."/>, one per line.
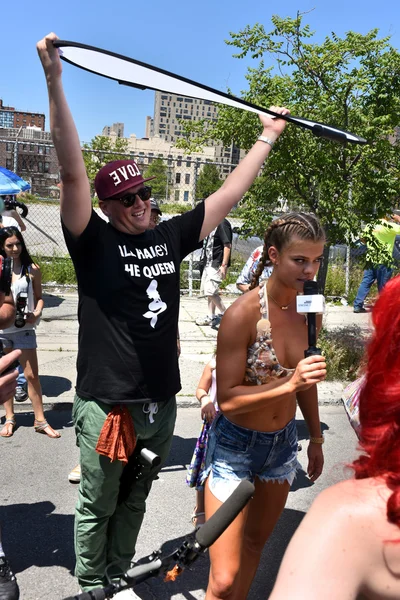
<point x="311" y="303"/>
<point x="223" y="517"/>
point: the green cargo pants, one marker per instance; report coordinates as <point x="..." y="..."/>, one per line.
<point x="105" y="530"/>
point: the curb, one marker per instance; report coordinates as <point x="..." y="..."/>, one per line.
<point x="329" y="395"/>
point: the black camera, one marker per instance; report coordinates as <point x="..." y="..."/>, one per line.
<point x="20" y="306"/>
<point x="5" y="274"/>
<point x="12" y="204"/>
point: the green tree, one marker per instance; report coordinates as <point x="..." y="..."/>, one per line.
<point x="352" y="83"/>
<point x="160" y="185"/>
<point x="101" y="150"/>
<point x="208" y="181"/>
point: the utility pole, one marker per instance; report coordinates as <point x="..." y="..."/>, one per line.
<point x="16" y="150"/>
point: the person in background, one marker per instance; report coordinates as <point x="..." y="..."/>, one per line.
<point x="216" y="259"/>
<point x="13" y="214"/>
<point x="26" y="288"/>
<point x="206" y="394"/>
<point x="11" y="218"/>
<point x="155" y="214"/>
<point x="9" y="589"/>
<point x="244" y="280"/>
<point x="347" y="545"/>
<point x="383" y="234"/>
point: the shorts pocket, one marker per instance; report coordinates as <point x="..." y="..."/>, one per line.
<point x="231" y="438"/>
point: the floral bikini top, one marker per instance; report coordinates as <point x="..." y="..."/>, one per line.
<point x="262" y="363"/>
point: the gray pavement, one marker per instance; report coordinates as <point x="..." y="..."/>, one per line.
<point x="37" y="505"/>
<point x="37" y="502"/>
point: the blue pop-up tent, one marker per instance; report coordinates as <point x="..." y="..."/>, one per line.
<point x="11" y="183"/>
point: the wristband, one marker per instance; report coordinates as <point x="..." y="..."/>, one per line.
<point x="224" y="265"/>
<point x="266" y="140"/>
<point x="203" y="396"/>
<point x="317" y="440"/>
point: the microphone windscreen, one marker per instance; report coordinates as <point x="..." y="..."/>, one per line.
<point x="223" y="517"/>
<point x="310" y="288"/>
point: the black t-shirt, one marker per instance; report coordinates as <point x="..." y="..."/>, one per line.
<point x="221" y="237"/>
<point x="128" y="307"/>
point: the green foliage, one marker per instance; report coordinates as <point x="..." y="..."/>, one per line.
<point x="344" y="351"/>
<point x="208" y="181"/>
<point x="335" y="285"/>
<point x="194" y="135"/>
<point x="159" y="185"/>
<point x="377" y="253"/>
<point x="58" y="269"/>
<point x="100" y="151"/>
<point x="175" y="209"/>
<point x="28" y="198"/>
<point x="351" y="82"/>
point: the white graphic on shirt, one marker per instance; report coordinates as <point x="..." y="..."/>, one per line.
<point x="156" y="306"/>
<point x="136" y="255"/>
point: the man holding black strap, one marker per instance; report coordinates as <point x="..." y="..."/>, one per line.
<point x="128" y="280"/>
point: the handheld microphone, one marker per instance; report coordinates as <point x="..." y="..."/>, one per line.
<point x="311" y="303"/>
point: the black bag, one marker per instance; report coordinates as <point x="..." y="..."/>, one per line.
<point x="396" y="248"/>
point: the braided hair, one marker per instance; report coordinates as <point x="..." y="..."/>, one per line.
<point x="305" y="226"/>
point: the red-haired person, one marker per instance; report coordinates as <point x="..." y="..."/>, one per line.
<point x="352" y="531"/>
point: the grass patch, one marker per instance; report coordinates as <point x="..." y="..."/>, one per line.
<point x="344" y="350"/>
<point x="57" y="269"/>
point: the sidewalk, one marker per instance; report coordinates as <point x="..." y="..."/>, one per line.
<point x="57" y="337"/>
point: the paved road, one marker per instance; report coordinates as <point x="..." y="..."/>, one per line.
<point x="37" y="501"/>
<point x="37" y="504"/>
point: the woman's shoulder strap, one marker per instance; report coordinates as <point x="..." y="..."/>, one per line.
<point x="262" y="293"/>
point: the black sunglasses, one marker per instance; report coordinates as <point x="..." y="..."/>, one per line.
<point x="128" y="200"/>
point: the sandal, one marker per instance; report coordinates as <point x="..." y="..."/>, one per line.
<point x="41" y="426"/>
<point x="11" y="423"/>
<point x="195" y="516"/>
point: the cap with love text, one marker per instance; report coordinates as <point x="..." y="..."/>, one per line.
<point x="116" y="177"/>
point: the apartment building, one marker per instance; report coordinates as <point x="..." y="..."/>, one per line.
<point x="10" y="117"/>
<point x="169" y="112"/>
<point x="117" y="128"/>
<point x="30" y="153"/>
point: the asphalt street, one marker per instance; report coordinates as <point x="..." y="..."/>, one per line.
<point x="37" y="501"/>
<point x="37" y="505"/>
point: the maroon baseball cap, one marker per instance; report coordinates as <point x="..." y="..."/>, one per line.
<point x="116" y="177"/>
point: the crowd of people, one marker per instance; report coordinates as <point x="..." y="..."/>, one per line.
<point x="128" y="281"/>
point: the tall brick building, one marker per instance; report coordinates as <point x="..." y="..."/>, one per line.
<point x="30" y="153"/>
<point x="10" y="117"/>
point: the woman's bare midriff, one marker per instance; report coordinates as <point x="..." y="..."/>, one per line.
<point x="269" y="419"/>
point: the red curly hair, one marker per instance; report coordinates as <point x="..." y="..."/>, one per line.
<point x="380" y="399"/>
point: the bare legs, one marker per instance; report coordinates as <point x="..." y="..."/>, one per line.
<point x="215" y="302"/>
<point x="198" y="517"/>
<point x="29" y="362"/>
<point x="236" y="554"/>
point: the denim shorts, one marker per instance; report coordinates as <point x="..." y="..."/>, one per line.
<point x="25" y="339"/>
<point x="235" y="453"/>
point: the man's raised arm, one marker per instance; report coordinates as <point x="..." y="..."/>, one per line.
<point x="75" y="201"/>
<point x="218" y="205"/>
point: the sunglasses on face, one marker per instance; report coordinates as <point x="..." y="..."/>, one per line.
<point x="128" y="200"/>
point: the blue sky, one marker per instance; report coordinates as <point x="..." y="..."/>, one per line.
<point x="184" y="37"/>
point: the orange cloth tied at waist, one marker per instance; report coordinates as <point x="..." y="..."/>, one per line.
<point x="117" y="439"/>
